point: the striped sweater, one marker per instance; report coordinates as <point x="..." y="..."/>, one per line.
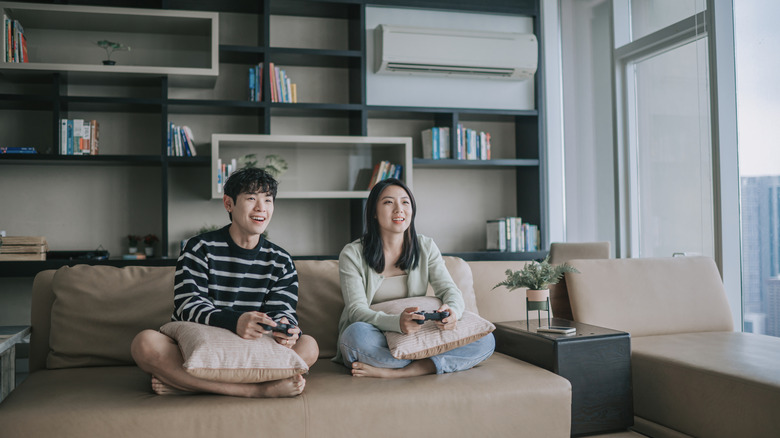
<point x="217" y="281"/>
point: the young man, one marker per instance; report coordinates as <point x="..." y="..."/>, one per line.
<point x="235" y="279"/>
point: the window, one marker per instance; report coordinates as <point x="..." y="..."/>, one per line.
<point x="758" y="93"/>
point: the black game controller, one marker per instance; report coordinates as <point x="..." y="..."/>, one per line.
<point x="280" y="327"/>
<point x="433" y="316"/>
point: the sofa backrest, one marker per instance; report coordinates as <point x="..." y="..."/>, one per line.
<point x="88" y="315"/>
<point x="562" y="252"/>
<point x="650" y="296"/>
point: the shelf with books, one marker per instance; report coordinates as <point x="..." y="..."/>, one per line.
<point x="474" y="164"/>
<point x="180" y="44"/>
<point x="102" y="160"/>
<point x="319" y="167"/>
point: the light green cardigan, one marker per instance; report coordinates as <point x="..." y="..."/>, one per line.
<point x="359" y="284"/>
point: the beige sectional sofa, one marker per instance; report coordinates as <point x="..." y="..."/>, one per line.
<point x="83" y="382"/>
<point x="692" y="374"/>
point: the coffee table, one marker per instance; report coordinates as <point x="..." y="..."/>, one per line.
<point x="9" y="337"/>
<point x="596" y="360"/>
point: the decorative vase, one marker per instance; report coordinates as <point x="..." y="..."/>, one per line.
<point x="108" y="62"/>
<point x="537" y="300"/>
<point x="132" y="249"/>
<point x="149" y="250"/>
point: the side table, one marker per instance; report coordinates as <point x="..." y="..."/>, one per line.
<point x="596" y="360"/>
<point x="9" y="337"/>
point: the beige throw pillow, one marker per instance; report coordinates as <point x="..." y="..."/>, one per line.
<point x="430" y="340"/>
<point x="217" y="354"/>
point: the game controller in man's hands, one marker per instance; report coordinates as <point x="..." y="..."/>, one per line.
<point x="432" y="316"/>
<point x="280" y="327"/>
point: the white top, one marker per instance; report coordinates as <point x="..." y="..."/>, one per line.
<point x="392" y="288"/>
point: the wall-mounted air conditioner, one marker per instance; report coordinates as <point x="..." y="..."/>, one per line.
<point x="495" y="55"/>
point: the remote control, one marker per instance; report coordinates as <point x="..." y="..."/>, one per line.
<point x="434" y="316"/>
<point x="280" y="327"/>
<point x="557" y="329"/>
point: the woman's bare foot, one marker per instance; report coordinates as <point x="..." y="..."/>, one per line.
<point x="161" y="388"/>
<point x="416" y="368"/>
<point x="289" y="387"/>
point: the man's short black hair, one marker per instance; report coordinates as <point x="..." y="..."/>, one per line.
<point x="249" y="180"/>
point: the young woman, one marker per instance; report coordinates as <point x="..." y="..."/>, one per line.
<point x="391" y="261"/>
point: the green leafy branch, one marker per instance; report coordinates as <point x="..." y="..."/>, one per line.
<point x="111" y="47"/>
<point x="536" y="275"/>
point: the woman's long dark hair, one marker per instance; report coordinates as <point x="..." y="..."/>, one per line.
<point x="372" y="240"/>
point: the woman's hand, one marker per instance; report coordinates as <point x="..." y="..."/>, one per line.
<point x="449" y="322"/>
<point x="408" y="318"/>
<point x="283" y="339"/>
<point x="249" y="327"/>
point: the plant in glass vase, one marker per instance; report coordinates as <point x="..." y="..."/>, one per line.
<point x="149" y="241"/>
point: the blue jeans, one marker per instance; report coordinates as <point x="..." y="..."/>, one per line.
<point x="362" y="342"/>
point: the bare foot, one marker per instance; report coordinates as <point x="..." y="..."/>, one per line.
<point x="289" y="387"/>
<point x="416" y="368"/>
<point x="161" y="388"/>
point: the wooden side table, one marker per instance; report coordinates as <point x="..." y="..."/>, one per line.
<point x="596" y="360"/>
<point x="9" y="337"/>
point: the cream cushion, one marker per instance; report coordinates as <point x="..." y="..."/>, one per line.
<point x="217" y="354"/>
<point x="96" y="313"/>
<point x="430" y="340"/>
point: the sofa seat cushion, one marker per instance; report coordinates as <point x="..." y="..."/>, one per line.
<point x="499" y="397"/>
<point x="118" y="402"/>
<point x="713" y="384"/>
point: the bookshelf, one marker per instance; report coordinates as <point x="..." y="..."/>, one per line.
<point x="322" y="44"/>
<point x="320" y="167"/>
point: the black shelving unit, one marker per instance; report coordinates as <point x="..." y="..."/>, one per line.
<point x="51" y="94"/>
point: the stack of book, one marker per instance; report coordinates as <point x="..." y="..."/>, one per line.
<point x="180" y="141"/>
<point x="383" y="170"/>
<point x="224" y="171"/>
<point x="14" y="41"/>
<point x="471" y="144"/>
<point x="256" y="83"/>
<point x="23" y="248"/>
<point x="282" y="90"/>
<point x="510" y="234"/>
<point x="436" y="143"/>
<point x="79" y="137"/>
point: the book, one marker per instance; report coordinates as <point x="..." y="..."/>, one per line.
<point x="22" y="257"/>
<point x="23" y="249"/>
<point x="190" y="141"/>
<point x="18" y="150"/>
<point x="252" y="86"/>
<point x="427" y="143"/>
<point x="496" y="235"/>
<point x="23" y="240"/>
<point x="94" y="146"/>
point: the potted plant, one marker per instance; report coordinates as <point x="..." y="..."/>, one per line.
<point x="275" y="165"/>
<point x="536" y="277"/>
<point x="132" y="243"/>
<point x="111" y="47"/>
<point x="149" y="241"/>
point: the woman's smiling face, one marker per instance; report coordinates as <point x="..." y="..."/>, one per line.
<point x="394" y="210"/>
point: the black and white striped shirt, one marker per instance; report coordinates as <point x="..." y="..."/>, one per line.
<point x="217" y="281"/>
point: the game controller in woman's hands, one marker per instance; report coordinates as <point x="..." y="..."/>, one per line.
<point x="280" y="327"/>
<point x="432" y="316"/>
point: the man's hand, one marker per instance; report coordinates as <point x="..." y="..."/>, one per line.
<point x="249" y="327"/>
<point x="449" y="322"/>
<point x="408" y="323"/>
<point x="284" y="340"/>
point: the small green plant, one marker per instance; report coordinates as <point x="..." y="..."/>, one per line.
<point x="536" y="275"/>
<point x="111" y="47"/>
<point x="275" y="165"/>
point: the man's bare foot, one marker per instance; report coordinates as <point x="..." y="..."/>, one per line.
<point x="416" y="368"/>
<point x="161" y="388"/>
<point x="289" y="387"/>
